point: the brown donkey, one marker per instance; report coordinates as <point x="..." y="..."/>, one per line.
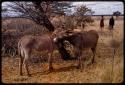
<point x="27" y="44"/>
<point x="80" y="40"/>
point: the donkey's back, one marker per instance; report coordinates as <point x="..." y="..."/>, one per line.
<point x="38" y="43"/>
<point x="89" y="38"/>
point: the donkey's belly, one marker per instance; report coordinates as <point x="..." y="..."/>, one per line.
<point x="44" y="47"/>
<point x="88" y="45"/>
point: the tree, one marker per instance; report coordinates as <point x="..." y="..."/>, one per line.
<point x="41" y="17"/>
<point x="4" y="9"/>
<point x="33" y="11"/>
<point x="117" y="13"/>
<point x="4" y="12"/>
<point x="81" y="15"/>
<point x="61" y="7"/>
<point x="37" y="11"/>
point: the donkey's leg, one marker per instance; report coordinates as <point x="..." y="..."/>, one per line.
<point x="20" y="64"/>
<point x="26" y="60"/>
<point x="21" y="60"/>
<point x="94" y="51"/>
<point x="79" y="59"/>
<point x="50" y="60"/>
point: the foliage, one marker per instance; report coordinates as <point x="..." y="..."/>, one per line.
<point x="27" y="9"/>
<point x="15" y="29"/>
<point x="81" y="15"/>
<point x="4" y="9"/>
<point x="117" y="13"/>
<point x="40" y="11"/>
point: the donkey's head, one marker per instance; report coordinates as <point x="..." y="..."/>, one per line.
<point x="63" y="36"/>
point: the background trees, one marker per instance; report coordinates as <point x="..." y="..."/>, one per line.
<point x="40" y="11"/>
<point x="117" y="13"/>
<point x="81" y="15"/>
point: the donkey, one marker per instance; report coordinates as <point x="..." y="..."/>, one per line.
<point x="80" y="41"/>
<point x="28" y="44"/>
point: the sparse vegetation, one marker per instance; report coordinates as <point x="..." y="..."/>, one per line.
<point x="65" y="71"/>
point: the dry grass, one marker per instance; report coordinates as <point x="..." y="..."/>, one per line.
<point x="66" y="72"/>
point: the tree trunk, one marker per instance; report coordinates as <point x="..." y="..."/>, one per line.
<point x="43" y="19"/>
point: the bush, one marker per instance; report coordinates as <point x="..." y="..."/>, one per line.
<point x="15" y="29"/>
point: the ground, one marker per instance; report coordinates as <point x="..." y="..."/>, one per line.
<point x="66" y="72"/>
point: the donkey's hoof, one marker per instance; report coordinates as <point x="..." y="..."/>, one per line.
<point x="50" y="69"/>
<point x="29" y="75"/>
<point x="78" y="67"/>
<point x="21" y="74"/>
<point x="93" y="62"/>
<point x="81" y="70"/>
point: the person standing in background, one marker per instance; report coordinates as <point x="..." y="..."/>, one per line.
<point x="111" y="23"/>
<point x="102" y="23"/>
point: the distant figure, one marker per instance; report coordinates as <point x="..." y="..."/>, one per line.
<point x="111" y="23"/>
<point x="102" y="23"/>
